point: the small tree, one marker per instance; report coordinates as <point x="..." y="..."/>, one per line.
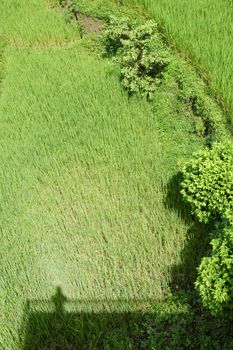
<point x="208" y="182"/>
<point x="117" y="31"/>
<point x="142" y="56"/>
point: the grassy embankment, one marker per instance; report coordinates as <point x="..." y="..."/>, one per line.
<point x="203" y="30"/>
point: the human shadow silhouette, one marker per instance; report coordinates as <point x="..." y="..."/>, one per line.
<point x="48" y="325"/>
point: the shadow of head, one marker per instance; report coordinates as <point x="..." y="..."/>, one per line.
<point x="59" y="300"/>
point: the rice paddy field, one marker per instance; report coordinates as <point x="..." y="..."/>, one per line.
<point x="88" y="221"/>
<point x="203" y="29"/>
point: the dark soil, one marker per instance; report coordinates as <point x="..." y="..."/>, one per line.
<point x="91" y="25"/>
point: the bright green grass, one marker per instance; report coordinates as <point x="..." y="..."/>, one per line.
<point x="32" y="22"/>
<point x="203" y="28"/>
<point x="82" y="169"/>
<point x="83" y="192"/>
<point x="106" y="8"/>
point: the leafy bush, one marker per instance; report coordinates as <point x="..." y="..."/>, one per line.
<point x="141" y="54"/>
<point x="116" y="34"/>
<point x="215" y="274"/>
<point x="208" y="182"/>
<point x="177" y="324"/>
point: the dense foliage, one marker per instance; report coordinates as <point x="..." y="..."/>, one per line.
<point x="215" y="273"/>
<point x="141" y="54"/>
<point x="208" y="182"/>
<point x="208" y="187"/>
<point x="116" y="34"/>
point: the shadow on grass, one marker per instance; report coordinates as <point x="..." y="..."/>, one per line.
<point x="176" y="323"/>
<point x="198" y="238"/>
<point x="63" y="324"/>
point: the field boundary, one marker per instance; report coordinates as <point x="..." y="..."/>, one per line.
<point x="43" y="45"/>
<point x="197" y="63"/>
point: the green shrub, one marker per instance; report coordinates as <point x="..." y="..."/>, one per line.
<point x="116" y="33"/>
<point x="208" y="182"/>
<point x="142" y="56"/>
<point x="147" y="63"/>
<point x="215" y="274"/>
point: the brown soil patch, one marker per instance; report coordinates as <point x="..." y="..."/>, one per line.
<point x="91" y="25"/>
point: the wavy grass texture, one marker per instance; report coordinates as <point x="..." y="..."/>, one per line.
<point x="82" y="168"/>
<point x="85" y="176"/>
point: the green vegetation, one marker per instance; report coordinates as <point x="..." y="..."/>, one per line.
<point x="105" y="9"/>
<point x="33" y="23"/>
<point x="142" y="56"/>
<point x="208" y="182"/>
<point x="215" y="279"/>
<point x="148" y="65"/>
<point x="176" y="324"/>
<point x="207" y="187"/>
<point x="202" y="29"/>
<point x="94" y="239"/>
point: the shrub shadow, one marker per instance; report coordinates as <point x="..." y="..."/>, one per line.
<point x="197" y="240"/>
